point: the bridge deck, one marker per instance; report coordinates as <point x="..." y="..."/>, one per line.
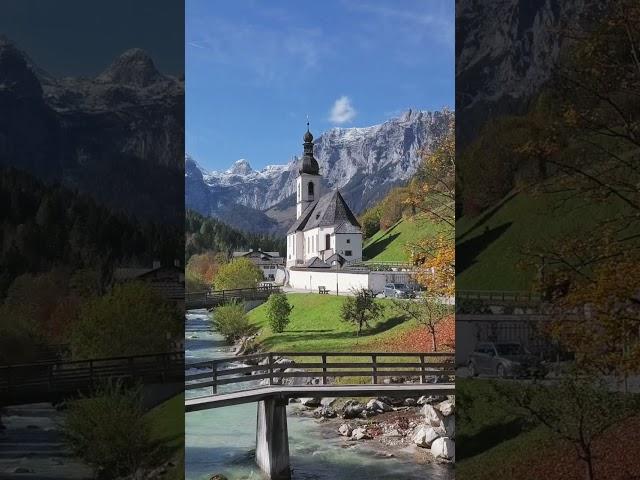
<point x="295" y="391"/>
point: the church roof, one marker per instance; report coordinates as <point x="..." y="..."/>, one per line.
<point x="329" y="210"/>
<point x="316" y="262"/>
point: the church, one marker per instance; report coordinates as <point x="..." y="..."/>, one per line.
<point x="326" y="233"/>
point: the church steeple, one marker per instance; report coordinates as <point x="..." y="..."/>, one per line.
<point x="309" y="163"/>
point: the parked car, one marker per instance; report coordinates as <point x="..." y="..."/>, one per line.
<point x="504" y="360"/>
<point x="397" y="290"/>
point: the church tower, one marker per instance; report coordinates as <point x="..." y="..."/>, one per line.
<point x="308" y="181"/>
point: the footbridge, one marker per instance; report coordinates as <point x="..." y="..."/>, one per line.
<point x="272" y="380"/>
<point x="214" y="298"/>
<point x="53" y="381"/>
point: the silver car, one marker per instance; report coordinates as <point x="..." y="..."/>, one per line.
<point x="397" y="290"/>
<point x="504" y="360"/>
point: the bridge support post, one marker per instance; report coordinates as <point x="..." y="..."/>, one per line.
<point x="272" y="439"/>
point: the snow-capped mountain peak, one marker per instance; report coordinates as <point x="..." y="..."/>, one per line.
<point x="364" y="163"/>
<point x="240" y="167"/>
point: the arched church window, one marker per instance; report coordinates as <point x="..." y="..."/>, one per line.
<point x="310" y="189"/>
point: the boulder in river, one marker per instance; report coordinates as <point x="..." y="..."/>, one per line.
<point x="443" y="448"/>
<point x="359" y="433"/>
<point x="424" y="436"/>
<point x="345" y="430"/>
<point x="310" y="402"/>
<point x="352" y="409"/>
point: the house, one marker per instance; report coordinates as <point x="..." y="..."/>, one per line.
<point x="268" y="262"/>
<point x="167" y="280"/>
<point x="325" y="231"/>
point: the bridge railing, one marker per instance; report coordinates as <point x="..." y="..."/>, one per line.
<point x="212" y="297"/>
<point x="57" y="376"/>
<point x="270" y="368"/>
<point x="499" y="295"/>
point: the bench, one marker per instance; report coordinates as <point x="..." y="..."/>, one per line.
<point x="323" y="291"/>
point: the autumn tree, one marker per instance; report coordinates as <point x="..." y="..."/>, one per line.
<point x="428" y="311"/>
<point x="131" y="319"/>
<point x="590" y="276"/>
<point x="240" y="273"/>
<point x="432" y="196"/>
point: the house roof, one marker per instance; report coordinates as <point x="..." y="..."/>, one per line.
<point x="329" y="210"/>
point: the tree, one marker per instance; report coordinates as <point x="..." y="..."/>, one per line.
<point x="577" y="410"/>
<point x="132" y="319"/>
<point x="240" y="273"/>
<point x="278" y="310"/>
<point x="432" y="195"/>
<point x="360" y="309"/>
<point x="428" y="311"/>
<point x="231" y="322"/>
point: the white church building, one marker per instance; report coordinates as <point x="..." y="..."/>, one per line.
<point x="326" y="238"/>
<point x="326" y="230"/>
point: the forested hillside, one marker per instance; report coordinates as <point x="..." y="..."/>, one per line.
<point x="209" y="234"/>
<point x="46" y="226"/>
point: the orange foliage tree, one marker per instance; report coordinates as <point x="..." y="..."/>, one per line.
<point x="432" y="197"/>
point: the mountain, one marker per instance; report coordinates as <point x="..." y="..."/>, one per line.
<point x="506" y="51"/>
<point x="364" y="163"/>
<point x="118" y="136"/>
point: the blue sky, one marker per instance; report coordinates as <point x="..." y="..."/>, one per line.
<point x="256" y="69"/>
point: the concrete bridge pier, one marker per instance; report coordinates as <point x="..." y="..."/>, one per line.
<point x="272" y="439"/>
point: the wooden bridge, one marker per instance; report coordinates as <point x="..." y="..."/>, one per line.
<point x="313" y="375"/>
<point x="213" y="298"/>
<point x="54" y="381"/>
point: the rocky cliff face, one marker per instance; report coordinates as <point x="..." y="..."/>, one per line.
<point x="364" y="163"/>
<point x="118" y="136"/>
<point x="505" y="51"/>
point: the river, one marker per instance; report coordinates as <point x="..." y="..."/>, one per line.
<point x="223" y="440"/>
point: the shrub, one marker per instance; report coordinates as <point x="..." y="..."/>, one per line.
<point x="278" y="310"/>
<point x="231" y="322"/>
<point x="109" y="430"/>
<point x="240" y="273"/>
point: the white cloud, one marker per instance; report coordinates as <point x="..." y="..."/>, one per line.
<point x="342" y="111"/>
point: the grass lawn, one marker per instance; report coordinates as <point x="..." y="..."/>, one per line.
<point x="167" y="428"/>
<point x="391" y="245"/>
<point x="316" y="326"/>
<point x="490" y="247"/>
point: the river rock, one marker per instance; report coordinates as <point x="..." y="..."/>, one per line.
<point x="378" y="406"/>
<point x="359" y="433"/>
<point x="424" y="436"/>
<point x="327" y="401"/>
<point x="432" y="416"/>
<point x="345" y="430"/>
<point x="446" y="408"/>
<point x="310" y="402"/>
<point x="324" y="412"/>
<point x="431" y="399"/>
<point x="409" y="402"/>
<point x="443" y="448"/>
<point x="449" y="427"/>
<point x="352" y="409"/>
